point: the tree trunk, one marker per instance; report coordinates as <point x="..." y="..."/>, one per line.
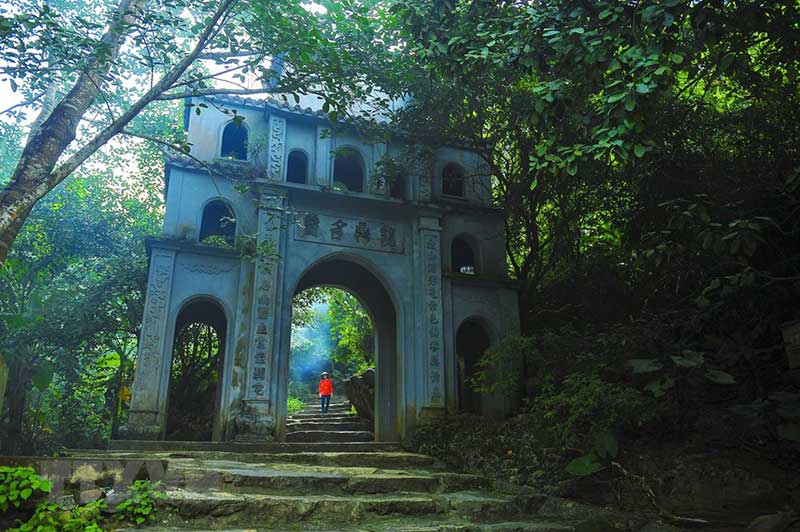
<point x="36" y="172"/>
<point x="34" y="176"/>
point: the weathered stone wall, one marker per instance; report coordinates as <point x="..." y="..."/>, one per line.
<point x="360" y="391"/>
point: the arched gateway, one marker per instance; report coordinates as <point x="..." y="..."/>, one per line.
<point x="397" y="248"/>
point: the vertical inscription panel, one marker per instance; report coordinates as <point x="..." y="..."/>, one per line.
<point x="432" y="315"/>
<point x="154" y="326"/>
<point x="277" y="148"/>
<point x="263" y="327"/>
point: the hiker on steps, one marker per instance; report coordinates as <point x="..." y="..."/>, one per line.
<point x="325" y="391"/>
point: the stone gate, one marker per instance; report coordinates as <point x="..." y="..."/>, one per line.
<point x="424" y="251"/>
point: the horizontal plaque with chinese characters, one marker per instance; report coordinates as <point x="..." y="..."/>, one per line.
<point x="375" y="235"/>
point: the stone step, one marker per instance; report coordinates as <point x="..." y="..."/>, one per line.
<point x="320" y="415"/>
<point x="284" y="479"/>
<point x="329" y="436"/>
<point x="239" y="447"/>
<point x="339" y="407"/>
<point x="382" y="524"/>
<point x="223" y="509"/>
<point x="295" y="426"/>
<point x="391" y="459"/>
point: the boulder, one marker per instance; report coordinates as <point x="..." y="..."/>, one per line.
<point x="360" y="391"/>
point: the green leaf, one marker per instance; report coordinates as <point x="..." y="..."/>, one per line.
<point x="614" y="98"/>
<point x="689" y="359"/>
<point x="639" y="150"/>
<point x="720" y="377"/>
<point x="606" y="445"/>
<point x="25" y="494"/>
<point x="584" y="466"/>
<point x="644" y="365"/>
<point x="676" y="58"/>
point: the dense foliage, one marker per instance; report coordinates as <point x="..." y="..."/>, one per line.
<point x="645" y="157"/>
<point x="23" y="507"/>
<point x="71" y="299"/>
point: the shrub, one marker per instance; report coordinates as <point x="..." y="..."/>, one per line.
<point x="294" y="405"/>
<point x="50" y="518"/>
<point x="573" y="412"/>
<point x="141" y="505"/>
<point x="19" y="484"/>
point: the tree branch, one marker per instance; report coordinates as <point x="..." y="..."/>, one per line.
<point x="68" y="166"/>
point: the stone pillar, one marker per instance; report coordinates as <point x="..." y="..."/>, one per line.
<point x="277" y="148"/>
<point x="148" y="410"/>
<point x="256" y="419"/>
<point x="3" y="381"/>
<point x="322" y="157"/>
<point x="432" y="367"/>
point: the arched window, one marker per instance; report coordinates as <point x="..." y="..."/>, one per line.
<point x="234" y="141"/>
<point x="348" y="170"/>
<point x="462" y="256"/>
<point x="218" y="221"/>
<point x="296" y="167"/>
<point x="453" y="180"/>
<point x="472" y="340"/>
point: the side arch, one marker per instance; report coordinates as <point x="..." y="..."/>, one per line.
<point x="200" y="400"/>
<point x="473" y="336"/>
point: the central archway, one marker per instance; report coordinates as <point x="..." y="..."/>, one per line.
<point x="350" y="274"/>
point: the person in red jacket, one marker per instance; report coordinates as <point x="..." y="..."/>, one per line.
<point x="325" y="391"/>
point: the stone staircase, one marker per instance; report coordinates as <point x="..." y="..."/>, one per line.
<point x="337" y="425"/>
<point x="319" y="484"/>
<point x="377" y="491"/>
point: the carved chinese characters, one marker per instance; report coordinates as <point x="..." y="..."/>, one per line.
<point x="337" y="229"/>
<point x="277" y="148"/>
<point x="376" y="235"/>
<point x="264" y="302"/>
<point x="432" y="312"/>
<point x="310" y="225"/>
